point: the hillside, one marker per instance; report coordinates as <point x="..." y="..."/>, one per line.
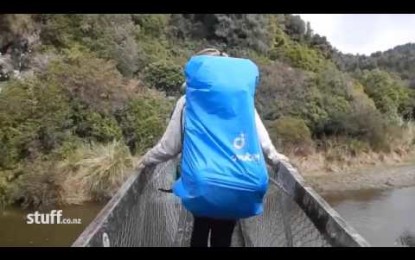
<point x="83" y="96"/>
<point x="399" y="60"/>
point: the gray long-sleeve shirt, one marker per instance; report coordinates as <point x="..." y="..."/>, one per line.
<point x="170" y="145"/>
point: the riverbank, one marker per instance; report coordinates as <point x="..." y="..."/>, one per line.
<point x="388" y="172"/>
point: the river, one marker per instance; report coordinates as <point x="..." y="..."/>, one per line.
<point x="382" y="217"/>
<point x="14" y="231"/>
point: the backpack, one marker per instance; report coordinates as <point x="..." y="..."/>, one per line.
<point x="223" y="171"/>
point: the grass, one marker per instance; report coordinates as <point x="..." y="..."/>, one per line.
<point x="91" y="172"/>
<point x="341" y="155"/>
<point x="95" y="171"/>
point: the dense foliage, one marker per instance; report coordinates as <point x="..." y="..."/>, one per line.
<point x="92" y="85"/>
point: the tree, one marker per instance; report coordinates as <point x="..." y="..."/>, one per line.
<point x="109" y="36"/>
<point x="388" y="93"/>
<point x="321" y="43"/>
<point x="399" y="60"/>
<point x="34" y="115"/>
<point x="230" y="30"/>
<point x="309" y="33"/>
<point x="295" y="27"/>
<point x="13" y="27"/>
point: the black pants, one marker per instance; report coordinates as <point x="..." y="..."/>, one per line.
<point x="220" y="232"/>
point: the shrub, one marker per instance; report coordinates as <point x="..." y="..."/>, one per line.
<point x="164" y="76"/>
<point x="38" y="186"/>
<point x="293" y="134"/>
<point x="302" y="57"/>
<point x="340" y="149"/>
<point x="14" y="26"/>
<point x="59" y="30"/>
<point x="367" y="125"/>
<point x="33" y="119"/>
<point x="358" y="146"/>
<point x="292" y="130"/>
<point x="143" y="121"/>
<point x="95" y="171"/>
<point x="96" y="127"/>
<point x="282" y="89"/>
<point x="388" y="93"/>
<point x="89" y="172"/>
<point x="69" y="144"/>
<point x="228" y="30"/>
<point x="110" y="36"/>
<point x="3" y="192"/>
<point x="154" y="25"/>
<point x="92" y="81"/>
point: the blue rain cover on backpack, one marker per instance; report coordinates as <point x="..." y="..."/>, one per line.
<point x="223" y="170"/>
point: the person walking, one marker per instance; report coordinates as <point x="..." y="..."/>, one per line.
<point x="218" y="132"/>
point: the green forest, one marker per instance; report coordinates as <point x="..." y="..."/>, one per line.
<point x="82" y="97"/>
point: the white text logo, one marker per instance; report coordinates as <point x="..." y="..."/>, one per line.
<point x="54" y="217"/>
<point x="247" y="157"/>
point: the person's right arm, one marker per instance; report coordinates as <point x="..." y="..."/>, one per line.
<point x="170" y="144"/>
<point x="271" y="154"/>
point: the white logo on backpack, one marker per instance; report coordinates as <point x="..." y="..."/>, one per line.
<point x="239" y="142"/>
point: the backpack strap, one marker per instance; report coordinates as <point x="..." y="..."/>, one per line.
<point x="178" y="167"/>
<point x="182" y="123"/>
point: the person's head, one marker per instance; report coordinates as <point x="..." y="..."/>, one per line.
<point x="210" y="52"/>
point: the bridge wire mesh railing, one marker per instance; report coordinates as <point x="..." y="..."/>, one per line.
<point x="140" y="215"/>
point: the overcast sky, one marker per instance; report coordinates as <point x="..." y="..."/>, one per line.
<point x="363" y="33"/>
